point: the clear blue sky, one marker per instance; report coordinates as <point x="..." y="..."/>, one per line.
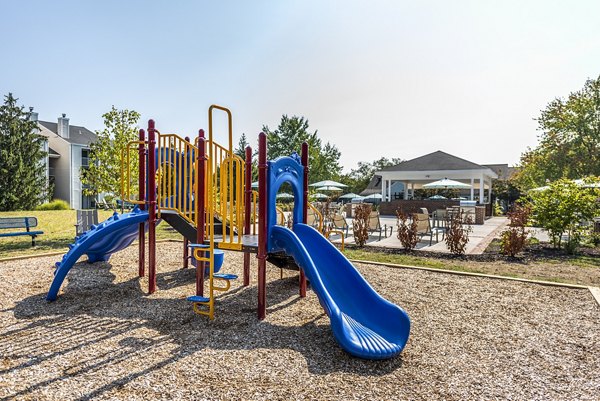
<point x="376" y="78"/>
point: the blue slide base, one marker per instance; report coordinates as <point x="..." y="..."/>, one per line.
<point x="364" y="324"/>
<point x="99" y="243"/>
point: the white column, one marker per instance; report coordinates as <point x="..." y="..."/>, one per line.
<point x="390" y="190"/>
<point x="412" y="190"/>
<point x="383" y="188"/>
<point x="472" y="188"/>
<point x="490" y="191"/>
<point x="405" y="190"/>
<point x="481" y="189"/>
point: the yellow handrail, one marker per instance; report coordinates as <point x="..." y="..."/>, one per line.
<point x="319" y="215"/>
<point x="328" y="233"/>
<point x="282" y="214"/>
<point x="126" y="173"/>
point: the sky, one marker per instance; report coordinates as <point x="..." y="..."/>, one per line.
<point x="375" y="78"/>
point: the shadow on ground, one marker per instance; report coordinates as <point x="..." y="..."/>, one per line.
<point x="93" y="309"/>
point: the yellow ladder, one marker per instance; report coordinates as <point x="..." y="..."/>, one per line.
<point x="200" y="303"/>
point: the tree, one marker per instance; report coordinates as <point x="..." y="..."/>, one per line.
<point x="569" y="146"/>
<point x="104" y="171"/>
<point x="23" y="182"/>
<point x="358" y="179"/>
<point x="562" y="207"/>
<point x="288" y="138"/>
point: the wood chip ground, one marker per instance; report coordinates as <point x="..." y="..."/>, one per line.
<point x="104" y="338"/>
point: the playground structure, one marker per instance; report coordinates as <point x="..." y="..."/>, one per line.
<point x="203" y="190"/>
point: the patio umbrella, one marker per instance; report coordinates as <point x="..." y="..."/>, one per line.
<point x="328" y="183"/>
<point x="351" y="195"/>
<point x="372" y="198"/>
<point x="255" y="184"/>
<point x="437" y="197"/>
<point x="329" y="188"/>
<point x="284" y="195"/>
<point x="319" y="196"/>
<point x="446" y="183"/>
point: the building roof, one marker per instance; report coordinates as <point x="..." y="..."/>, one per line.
<point x="435" y="161"/>
<point x="53" y="153"/>
<point x="77" y="135"/>
<point x="504" y="172"/>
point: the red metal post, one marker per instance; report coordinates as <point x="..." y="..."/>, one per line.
<point x="262" y="225"/>
<point x="304" y="209"/>
<point x="151" y="207"/>
<point x="142" y="198"/>
<point x="247" y="211"/>
<point x="200" y="207"/>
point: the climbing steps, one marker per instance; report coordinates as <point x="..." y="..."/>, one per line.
<point x="204" y="253"/>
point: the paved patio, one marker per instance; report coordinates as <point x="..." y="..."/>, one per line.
<point x="479" y="238"/>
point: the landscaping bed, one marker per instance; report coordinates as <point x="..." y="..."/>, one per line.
<point x="104" y="338"/>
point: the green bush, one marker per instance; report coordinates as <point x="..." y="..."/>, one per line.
<point x="57" y="204"/>
<point x="562" y="208"/>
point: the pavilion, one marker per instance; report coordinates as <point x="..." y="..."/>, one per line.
<point x="400" y="181"/>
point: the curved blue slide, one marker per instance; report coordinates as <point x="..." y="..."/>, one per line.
<point x="99" y="243"/>
<point x="364" y="323"/>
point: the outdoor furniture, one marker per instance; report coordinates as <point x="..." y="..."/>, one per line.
<point x="19" y="222"/>
<point x="424" y="226"/>
<point x="375" y="225"/>
<point x="338" y="222"/>
<point x="85" y="220"/>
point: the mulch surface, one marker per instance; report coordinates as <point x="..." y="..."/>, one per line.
<point x="104" y="338"/>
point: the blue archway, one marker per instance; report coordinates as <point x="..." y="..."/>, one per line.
<point x="279" y="171"/>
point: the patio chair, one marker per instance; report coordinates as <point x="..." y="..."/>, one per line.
<point x="375" y="225"/>
<point x="85" y="219"/>
<point x="424" y="226"/>
<point x="338" y="222"/>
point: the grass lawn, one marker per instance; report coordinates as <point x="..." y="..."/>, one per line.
<point x="574" y="269"/>
<point x="59" y="231"/>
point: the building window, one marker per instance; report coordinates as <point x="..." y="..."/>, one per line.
<point x="85" y="157"/>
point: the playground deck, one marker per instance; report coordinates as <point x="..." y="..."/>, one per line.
<point x="105" y="338"/>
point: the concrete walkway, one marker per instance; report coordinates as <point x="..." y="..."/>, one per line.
<point x="479" y="238"/>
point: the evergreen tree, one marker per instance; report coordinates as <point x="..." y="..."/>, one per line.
<point x="289" y="136"/>
<point x="23" y="182"/>
<point x="104" y="171"/>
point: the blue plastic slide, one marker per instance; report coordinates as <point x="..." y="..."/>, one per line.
<point x="363" y="323"/>
<point x="99" y="243"/>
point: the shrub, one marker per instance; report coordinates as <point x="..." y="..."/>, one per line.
<point x="514" y="238"/>
<point x="407" y="233"/>
<point x="56" y="204"/>
<point x="360" y="224"/>
<point x="457" y="236"/>
<point x="561" y="208"/>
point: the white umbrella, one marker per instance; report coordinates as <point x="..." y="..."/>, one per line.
<point x="328" y="183"/>
<point x="319" y="196"/>
<point x="446" y="183"/>
<point x="255" y="184"/>
<point x="434" y="197"/>
<point x="329" y="188"/>
<point x="284" y="195"/>
<point x="351" y="195"/>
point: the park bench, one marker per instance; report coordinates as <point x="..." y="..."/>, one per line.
<point x="19" y="222"/>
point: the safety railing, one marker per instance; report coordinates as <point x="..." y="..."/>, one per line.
<point x="176" y="161"/>
<point x="318" y="215"/>
<point x="225" y="188"/>
<point x="126" y="165"/>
